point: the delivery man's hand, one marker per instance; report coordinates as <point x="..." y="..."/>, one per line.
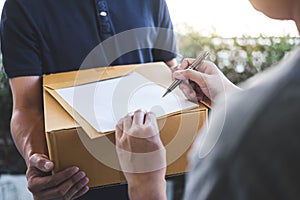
<point x="142" y="156"/>
<point x="70" y="183"/>
<point x="206" y="83"/>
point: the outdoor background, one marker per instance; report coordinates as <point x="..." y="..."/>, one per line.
<point x="241" y="41"/>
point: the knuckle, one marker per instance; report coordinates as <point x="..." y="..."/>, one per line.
<point x="189" y="72"/>
<point x="36" y="161"/>
<point x="139" y="127"/>
<point x="78" y="186"/>
<point x="149" y="130"/>
<point x="188" y="61"/>
<point x="33" y="160"/>
<point x="182" y="86"/>
<point x="61" y="192"/>
<point x="136" y="130"/>
<point x="77" y="177"/>
<point x="30" y="185"/>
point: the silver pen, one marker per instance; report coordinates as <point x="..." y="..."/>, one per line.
<point x="198" y="61"/>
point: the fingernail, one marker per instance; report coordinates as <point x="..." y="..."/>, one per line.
<point x="85" y="181"/>
<point x="75" y="169"/>
<point x="81" y="175"/>
<point x="85" y="189"/>
<point x="178" y="74"/>
<point x="130" y="114"/>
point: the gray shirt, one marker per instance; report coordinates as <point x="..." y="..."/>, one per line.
<point x="251" y="149"/>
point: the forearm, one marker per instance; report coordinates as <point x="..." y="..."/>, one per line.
<point x="27" y="129"/>
<point x="148" y="191"/>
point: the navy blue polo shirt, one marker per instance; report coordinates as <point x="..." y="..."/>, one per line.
<point x="49" y="36"/>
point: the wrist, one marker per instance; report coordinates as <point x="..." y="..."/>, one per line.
<point x="147" y="186"/>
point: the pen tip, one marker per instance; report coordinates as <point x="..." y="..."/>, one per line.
<point x="165" y="94"/>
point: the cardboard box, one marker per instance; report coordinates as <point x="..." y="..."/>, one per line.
<point x="72" y="141"/>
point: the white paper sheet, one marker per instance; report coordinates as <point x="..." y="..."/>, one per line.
<point x="103" y="103"/>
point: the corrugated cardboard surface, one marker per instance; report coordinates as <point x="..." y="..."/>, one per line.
<point x="69" y="144"/>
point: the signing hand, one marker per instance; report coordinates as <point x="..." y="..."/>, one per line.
<point x="206" y="83"/>
<point x="67" y="184"/>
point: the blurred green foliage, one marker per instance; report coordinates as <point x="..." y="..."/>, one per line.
<point x="238" y="58"/>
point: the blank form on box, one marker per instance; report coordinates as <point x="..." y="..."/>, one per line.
<point x="102" y="104"/>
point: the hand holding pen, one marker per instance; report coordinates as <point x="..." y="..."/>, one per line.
<point x="198" y="61"/>
<point x="205" y="82"/>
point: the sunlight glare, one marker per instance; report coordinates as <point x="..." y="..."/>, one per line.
<point x="231" y="18"/>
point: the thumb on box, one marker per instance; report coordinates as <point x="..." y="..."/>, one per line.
<point x="41" y="162"/>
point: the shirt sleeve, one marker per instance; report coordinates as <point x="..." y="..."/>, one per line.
<point x="165" y="44"/>
<point x="250" y="148"/>
<point x="222" y="165"/>
<point x="19" y="45"/>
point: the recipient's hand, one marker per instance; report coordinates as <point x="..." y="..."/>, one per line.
<point x="67" y="184"/>
<point x="141" y="155"/>
<point x="206" y="83"/>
